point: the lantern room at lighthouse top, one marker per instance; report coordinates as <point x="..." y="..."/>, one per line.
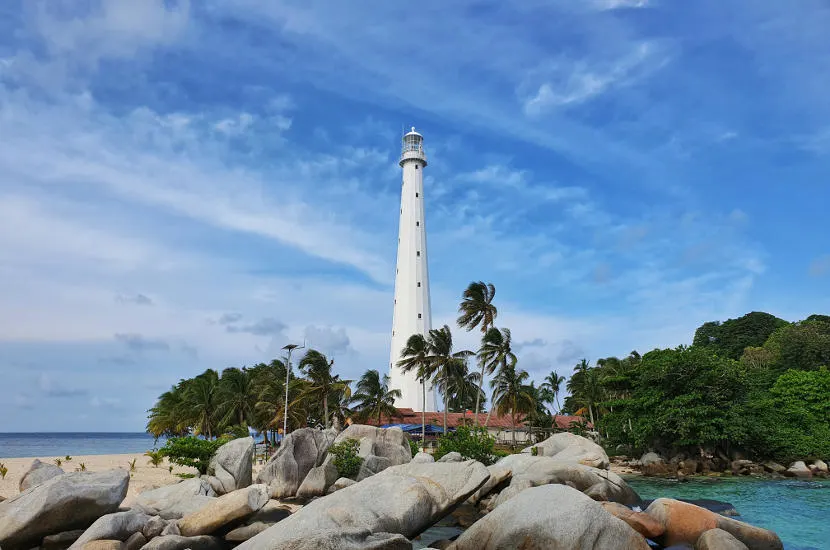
<point x="413" y="147"/>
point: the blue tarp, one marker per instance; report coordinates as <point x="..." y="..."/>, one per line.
<point x="416" y="428"/>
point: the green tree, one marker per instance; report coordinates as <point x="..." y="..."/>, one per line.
<point x="731" y="337"/>
<point x="322" y="384"/>
<point x="512" y="395"/>
<point x="477" y="310"/>
<point x="804" y="345"/>
<point x="444" y="361"/>
<point x="462" y="386"/>
<point x="201" y="401"/>
<point x="415" y="358"/>
<point x="550" y="389"/>
<point x="374" y="398"/>
<point x="496" y="354"/>
<point x="237" y="397"/>
<point x="586" y="388"/>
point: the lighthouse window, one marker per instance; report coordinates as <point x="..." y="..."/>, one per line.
<point x="416" y="195"/>
<point x="417" y="224"/>
<point x="419" y="316"/>
<point x="419" y="285"/>
<point x="416" y="167"/>
<point x="418" y="253"/>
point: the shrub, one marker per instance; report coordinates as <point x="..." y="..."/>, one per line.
<point x="534" y="451"/>
<point x="191" y="451"/>
<point x="132" y="465"/>
<point x="413" y="446"/>
<point x="346" y="459"/>
<point x="3" y="471"/>
<point x="58" y="462"/>
<point x="68" y="458"/>
<point x="472" y="443"/>
<point x="186" y="476"/>
<point x="170" y="468"/>
<point x="236" y="432"/>
<point x="156" y="457"/>
<point x="82" y="467"/>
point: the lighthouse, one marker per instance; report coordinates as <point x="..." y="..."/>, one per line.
<point x="411" y="313"/>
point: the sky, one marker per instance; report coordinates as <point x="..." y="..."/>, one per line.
<point x="188" y="185"/>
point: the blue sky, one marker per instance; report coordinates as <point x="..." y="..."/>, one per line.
<point x="186" y="185"/>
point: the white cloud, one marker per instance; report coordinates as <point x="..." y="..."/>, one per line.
<point x="620" y="4"/>
<point x="568" y="82"/>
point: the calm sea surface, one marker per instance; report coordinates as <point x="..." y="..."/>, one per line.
<point x="799" y="511"/>
<point x="15" y="445"/>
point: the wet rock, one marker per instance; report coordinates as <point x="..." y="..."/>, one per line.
<point x="550" y="517"/>
<point x="63" y="503"/>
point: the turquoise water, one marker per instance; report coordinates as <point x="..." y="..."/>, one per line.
<point x="40" y="445"/>
<point x="799" y="511"/>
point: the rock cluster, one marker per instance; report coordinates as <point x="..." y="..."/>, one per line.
<point x="552" y="498"/>
<point x="681" y="466"/>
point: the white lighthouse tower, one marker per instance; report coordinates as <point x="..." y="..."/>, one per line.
<point x="412" y="313"/>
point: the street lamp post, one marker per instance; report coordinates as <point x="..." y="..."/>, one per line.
<point x="290" y="348"/>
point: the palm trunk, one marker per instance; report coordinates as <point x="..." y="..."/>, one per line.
<point x="446" y="404"/>
<point x="558" y="406"/>
<point x="513" y="420"/>
<point x="424" y="417"/>
<point x="487" y="421"/>
<point x="591" y="412"/>
<point x="326" y="411"/>
<point x="478" y="394"/>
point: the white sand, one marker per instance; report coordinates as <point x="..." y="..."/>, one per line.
<point x="145" y="476"/>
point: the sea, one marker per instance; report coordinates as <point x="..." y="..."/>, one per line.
<point x="39" y="445"/>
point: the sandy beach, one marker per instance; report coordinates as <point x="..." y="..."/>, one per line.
<point x="144" y="477"/>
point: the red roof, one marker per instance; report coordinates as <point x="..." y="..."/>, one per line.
<point x="410" y="416"/>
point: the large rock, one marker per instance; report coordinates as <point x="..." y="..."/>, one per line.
<point x="798" y="469"/>
<point x="63" y="503"/>
<point x="499" y="474"/>
<point x="175" y="501"/>
<point x="299" y="452"/>
<point x="135" y="542"/>
<point x="531" y="471"/>
<point x="104" y="545"/>
<point x="37" y="473"/>
<point x="341" y="483"/>
<point x="245" y="532"/>
<point x="423" y="457"/>
<point x="351" y="539"/>
<point x="176" y="542"/>
<point x="61" y="541"/>
<point x="390" y="443"/>
<point x="552" y="517"/>
<point x="453" y="456"/>
<point x="641" y="522"/>
<point x="685" y="523"/>
<point x="402" y="500"/>
<point x="318" y="480"/>
<point x="224" y="510"/>
<point x="569" y="447"/>
<point x="372" y="465"/>
<point x="652" y="464"/>
<point x="232" y="465"/>
<point x="819" y="467"/>
<point x="718" y="539"/>
<point x="117" y="526"/>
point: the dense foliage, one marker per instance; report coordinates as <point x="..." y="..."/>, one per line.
<point x="346" y="459"/>
<point x="757" y="384"/>
<point x="191" y="451"/>
<point x="473" y="443"/>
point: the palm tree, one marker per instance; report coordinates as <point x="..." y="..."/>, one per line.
<point x="322" y="384"/>
<point x="269" y="380"/>
<point x="476" y="308"/>
<point x="201" y="400"/>
<point x="237" y="397"/>
<point x="585" y="386"/>
<point x="439" y="345"/>
<point x="415" y="357"/>
<point x="374" y="397"/>
<point x="460" y="385"/>
<point x="550" y="388"/>
<point x="511" y="395"/>
<point x="496" y="354"/>
<point x="166" y="417"/>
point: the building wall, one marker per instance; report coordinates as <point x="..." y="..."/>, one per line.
<point x="412" y="312"/>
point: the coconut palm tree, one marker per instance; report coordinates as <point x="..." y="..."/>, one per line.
<point x="237" y="397"/>
<point x="269" y="380"/>
<point x="167" y="415"/>
<point x="496" y="354"/>
<point x="460" y="385"/>
<point x="585" y="387"/>
<point x="439" y="346"/>
<point x="373" y="396"/>
<point x="321" y="384"/>
<point x="511" y="394"/>
<point x="477" y="309"/>
<point x="550" y="389"/>
<point x="415" y="357"/>
<point x="201" y="401"/>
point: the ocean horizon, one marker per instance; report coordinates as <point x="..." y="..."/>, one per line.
<point x="59" y="444"/>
